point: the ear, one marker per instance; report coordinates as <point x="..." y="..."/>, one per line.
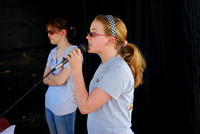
<point x="111" y="40"/>
<point x="63" y="31"/>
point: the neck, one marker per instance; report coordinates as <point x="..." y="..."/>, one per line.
<point x="63" y="44"/>
<point x="106" y="55"/>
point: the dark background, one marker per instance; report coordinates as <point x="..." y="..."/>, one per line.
<point x="167" y="33"/>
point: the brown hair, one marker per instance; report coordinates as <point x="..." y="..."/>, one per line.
<point x="60" y="23"/>
<point x="130" y="53"/>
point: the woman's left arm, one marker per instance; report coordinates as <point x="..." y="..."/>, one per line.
<point x="62" y="77"/>
<point x="56" y="80"/>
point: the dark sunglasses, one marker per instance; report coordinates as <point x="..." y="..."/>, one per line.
<point x="50" y="32"/>
<point x="91" y="34"/>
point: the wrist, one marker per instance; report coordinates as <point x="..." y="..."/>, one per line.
<point x="76" y="72"/>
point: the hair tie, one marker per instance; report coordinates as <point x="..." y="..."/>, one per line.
<point x="71" y="28"/>
<point x="112" y="24"/>
<point x="125" y="43"/>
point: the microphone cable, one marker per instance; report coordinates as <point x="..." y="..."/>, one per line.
<point x="25" y="94"/>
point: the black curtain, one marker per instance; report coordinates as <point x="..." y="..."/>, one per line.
<point x="166" y="32"/>
<point x="191" y="42"/>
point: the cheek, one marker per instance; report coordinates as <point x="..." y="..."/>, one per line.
<point x="54" y="39"/>
<point x="96" y="47"/>
<point x="99" y="48"/>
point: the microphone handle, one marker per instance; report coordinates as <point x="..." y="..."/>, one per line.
<point x="59" y="65"/>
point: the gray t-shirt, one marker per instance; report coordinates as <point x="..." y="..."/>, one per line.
<point x="60" y="99"/>
<point x="114" y="117"/>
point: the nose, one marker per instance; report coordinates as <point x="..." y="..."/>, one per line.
<point x="87" y="36"/>
<point x="49" y="35"/>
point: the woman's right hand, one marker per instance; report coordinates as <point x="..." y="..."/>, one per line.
<point x="75" y="60"/>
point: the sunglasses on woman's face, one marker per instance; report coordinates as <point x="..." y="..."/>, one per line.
<point x="92" y="34"/>
<point x="52" y="31"/>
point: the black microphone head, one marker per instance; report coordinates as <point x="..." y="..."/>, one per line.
<point x="83" y="47"/>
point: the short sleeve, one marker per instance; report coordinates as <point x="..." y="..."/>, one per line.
<point x="49" y="60"/>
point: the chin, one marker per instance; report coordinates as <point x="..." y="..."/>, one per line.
<point x="53" y="43"/>
<point x="89" y="51"/>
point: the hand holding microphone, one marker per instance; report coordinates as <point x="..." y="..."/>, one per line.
<point x="75" y="58"/>
<point x="82" y="48"/>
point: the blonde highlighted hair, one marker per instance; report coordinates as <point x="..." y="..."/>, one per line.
<point x="130" y="53"/>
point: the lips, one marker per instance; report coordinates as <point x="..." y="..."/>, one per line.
<point x="89" y="44"/>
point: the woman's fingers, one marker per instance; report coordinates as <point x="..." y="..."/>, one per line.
<point x="75" y="53"/>
<point x="75" y="59"/>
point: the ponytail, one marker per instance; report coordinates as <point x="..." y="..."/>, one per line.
<point x="129" y="52"/>
<point x="132" y="55"/>
<point x="71" y="33"/>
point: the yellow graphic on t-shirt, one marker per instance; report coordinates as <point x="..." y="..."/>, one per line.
<point x="131" y="103"/>
<point x="131" y="106"/>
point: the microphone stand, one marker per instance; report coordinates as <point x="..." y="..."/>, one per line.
<point x="27" y="92"/>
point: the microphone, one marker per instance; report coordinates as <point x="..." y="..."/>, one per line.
<point x="82" y="47"/>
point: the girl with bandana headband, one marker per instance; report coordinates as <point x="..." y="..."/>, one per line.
<point x="110" y="99"/>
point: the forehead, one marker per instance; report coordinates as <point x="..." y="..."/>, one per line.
<point x="96" y="26"/>
<point x="51" y="27"/>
